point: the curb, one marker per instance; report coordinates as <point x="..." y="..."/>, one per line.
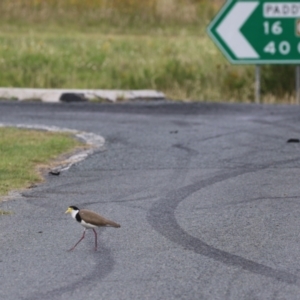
<point x="78" y="95"/>
<point x="96" y="143"/>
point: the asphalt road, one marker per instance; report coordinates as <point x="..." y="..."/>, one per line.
<point x="208" y="197"/>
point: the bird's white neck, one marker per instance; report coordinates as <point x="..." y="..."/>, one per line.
<point x="74" y="213"/>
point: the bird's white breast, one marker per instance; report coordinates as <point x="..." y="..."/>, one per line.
<point x="87" y="226"/>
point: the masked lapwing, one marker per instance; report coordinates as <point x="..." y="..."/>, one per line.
<point x="89" y="220"/>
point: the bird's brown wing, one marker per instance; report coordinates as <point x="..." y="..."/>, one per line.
<point x="93" y="218"/>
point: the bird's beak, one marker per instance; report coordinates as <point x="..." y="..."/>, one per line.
<point x="68" y="210"/>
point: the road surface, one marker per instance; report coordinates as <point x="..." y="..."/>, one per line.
<point x="208" y="197"/>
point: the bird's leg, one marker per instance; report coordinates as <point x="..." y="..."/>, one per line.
<point x="95" y="239"/>
<point x="78" y="241"/>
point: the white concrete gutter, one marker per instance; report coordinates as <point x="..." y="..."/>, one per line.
<point x="72" y="95"/>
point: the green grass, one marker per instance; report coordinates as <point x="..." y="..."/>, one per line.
<point x="24" y="152"/>
<point x="183" y="66"/>
<point x="127" y="44"/>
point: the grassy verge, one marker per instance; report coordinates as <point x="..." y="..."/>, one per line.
<point x="127" y="44"/>
<point x="23" y="152"/>
<point x="183" y="66"/>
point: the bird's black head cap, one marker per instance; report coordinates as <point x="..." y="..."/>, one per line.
<point x="74" y="207"/>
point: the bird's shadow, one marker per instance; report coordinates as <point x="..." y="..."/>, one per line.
<point x="102" y="266"/>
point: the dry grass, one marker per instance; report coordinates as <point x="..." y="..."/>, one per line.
<point x="108" y="13"/>
<point x="126" y="44"/>
<point x="185" y="67"/>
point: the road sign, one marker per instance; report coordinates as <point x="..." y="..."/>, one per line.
<point x="258" y="32"/>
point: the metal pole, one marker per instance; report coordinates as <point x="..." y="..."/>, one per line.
<point x="257" y="84"/>
<point x="298" y="84"/>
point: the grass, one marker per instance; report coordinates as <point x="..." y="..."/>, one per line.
<point x="5" y="212"/>
<point x="121" y="15"/>
<point x="168" y="63"/>
<point x="24" y="152"/>
<point x="126" y="44"/>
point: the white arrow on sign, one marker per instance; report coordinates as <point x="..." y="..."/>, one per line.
<point x="229" y="29"/>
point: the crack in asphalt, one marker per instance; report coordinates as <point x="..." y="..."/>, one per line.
<point x="190" y="151"/>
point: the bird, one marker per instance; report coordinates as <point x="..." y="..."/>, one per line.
<point x="89" y="220"/>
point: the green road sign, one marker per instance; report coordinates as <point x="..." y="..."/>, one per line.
<point x="258" y="32"/>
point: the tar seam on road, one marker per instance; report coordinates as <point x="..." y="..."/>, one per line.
<point x="161" y="217"/>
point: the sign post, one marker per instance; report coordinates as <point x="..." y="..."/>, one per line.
<point x="258" y="31"/>
<point x="298" y="84"/>
<point x="257" y="84"/>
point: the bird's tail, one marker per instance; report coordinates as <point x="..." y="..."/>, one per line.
<point x="113" y="224"/>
